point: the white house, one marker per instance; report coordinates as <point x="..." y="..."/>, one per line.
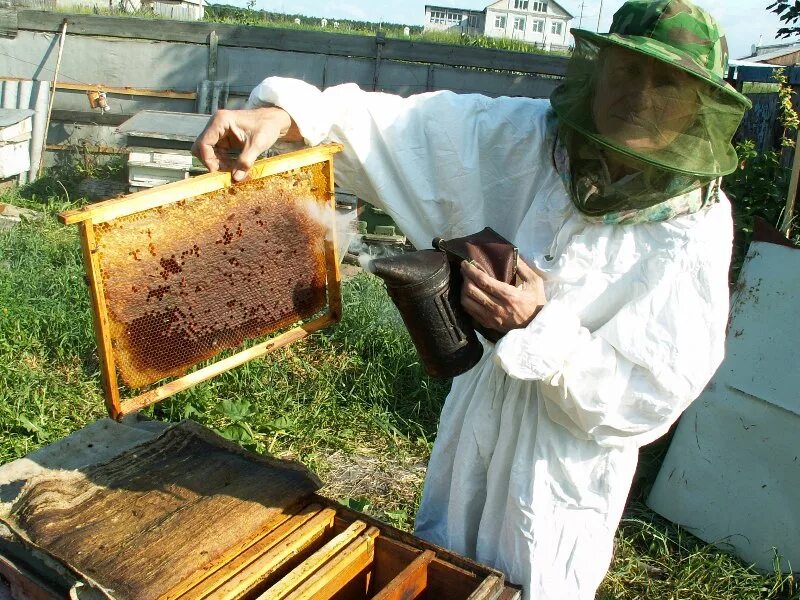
<point x="543" y="22"/>
<point x="462" y="20"/>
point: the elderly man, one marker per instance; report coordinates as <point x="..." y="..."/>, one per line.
<point x="611" y="193"/>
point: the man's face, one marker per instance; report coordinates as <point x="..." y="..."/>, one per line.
<point x="640" y="102"/>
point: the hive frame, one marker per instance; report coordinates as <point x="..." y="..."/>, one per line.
<point x="109" y="210"/>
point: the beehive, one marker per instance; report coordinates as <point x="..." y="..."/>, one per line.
<point x="188" y="515"/>
<point x="182" y="272"/>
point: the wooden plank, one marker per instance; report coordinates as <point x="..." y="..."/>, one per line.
<point x="137" y="403"/>
<point x="108" y="370"/>
<point x="197" y="33"/>
<point x="335" y="44"/>
<point x="195" y="186"/>
<point x="473" y="56"/>
<point x="253" y="569"/>
<point x="391" y="557"/>
<point x="331" y="262"/>
<point x="489" y="589"/>
<point x="446" y="580"/>
<point x="127" y="91"/>
<point x="89" y="149"/>
<point x="791" y="195"/>
<point x="90" y="118"/>
<point x="168" y="125"/>
<point x="412" y="581"/>
<point x="24" y="584"/>
<point x="311" y="565"/>
<point x="445" y="561"/>
<point x="511" y="593"/>
<point x="8" y="23"/>
<point x="343" y="568"/>
<point x="167" y="509"/>
<point x="223" y="561"/>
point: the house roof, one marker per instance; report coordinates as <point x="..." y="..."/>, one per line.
<point x="774" y="54"/>
<point x="564" y="10"/>
<point x="453" y="8"/>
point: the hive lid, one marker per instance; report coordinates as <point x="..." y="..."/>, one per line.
<point x="174" y="508"/>
<point x="184" y="271"/>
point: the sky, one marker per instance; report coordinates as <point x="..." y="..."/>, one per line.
<point x="744" y="21"/>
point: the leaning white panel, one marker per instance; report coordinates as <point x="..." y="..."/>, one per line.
<point x="731" y="473"/>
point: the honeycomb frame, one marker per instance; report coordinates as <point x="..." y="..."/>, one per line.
<point x="94" y="220"/>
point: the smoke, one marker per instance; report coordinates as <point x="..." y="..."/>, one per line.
<point x="367" y="252"/>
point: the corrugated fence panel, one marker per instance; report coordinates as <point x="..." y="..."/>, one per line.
<point x="144" y="64"/>
<point x="244" y="68"/>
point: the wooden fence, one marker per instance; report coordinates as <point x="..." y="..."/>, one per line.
<point x="761" y="123"/>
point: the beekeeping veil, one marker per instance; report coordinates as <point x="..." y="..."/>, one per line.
<point x="644" y="110"/>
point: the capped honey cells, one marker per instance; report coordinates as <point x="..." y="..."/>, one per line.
<point x="185" y="281"/>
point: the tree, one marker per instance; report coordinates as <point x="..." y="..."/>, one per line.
<point x="789" y="13"/>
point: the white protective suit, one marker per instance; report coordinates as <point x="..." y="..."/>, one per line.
<point x="538" y="443"/>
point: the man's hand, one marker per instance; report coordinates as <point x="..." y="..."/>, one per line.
<point x="500" y="306"/>
<point x="249" y="132"/>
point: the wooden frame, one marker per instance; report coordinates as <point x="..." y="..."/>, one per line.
<point x="89" y="216"/>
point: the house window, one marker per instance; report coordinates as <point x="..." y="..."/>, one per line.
<point x="500" y="21"/>
<point x="519" y="23"/>
<point x="437" y="16"/>
<point x="556" y="27"/>
<point x="539" y="7"/>
<point x="453" y="18"/>
<point x="537" y="26"/>
<point x="521" y="4"/>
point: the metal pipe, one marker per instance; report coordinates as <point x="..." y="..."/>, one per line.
<point x="39" y="134"/>
<point x="10" y="89"/>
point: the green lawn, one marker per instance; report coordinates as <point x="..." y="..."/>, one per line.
<point x="351" y="403"/>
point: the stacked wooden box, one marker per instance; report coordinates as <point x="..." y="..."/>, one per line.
<point x="16" y="127"/>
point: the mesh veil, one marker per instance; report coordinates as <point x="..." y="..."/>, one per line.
<point x="639" y="130"/>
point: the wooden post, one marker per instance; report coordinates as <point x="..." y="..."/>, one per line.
<point x="108" y="372"/>
<point x="213" y="41"/>
<point x="380" y="42"/>
<point x="52" y="94"/>
<point x="791" y="195"/>
<point x="331" y="260"/>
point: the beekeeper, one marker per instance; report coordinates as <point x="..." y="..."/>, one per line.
<point x="611" y="192"/>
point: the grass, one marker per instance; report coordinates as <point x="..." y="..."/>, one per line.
<point x="351" y="403"/>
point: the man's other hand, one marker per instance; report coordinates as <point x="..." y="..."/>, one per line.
<point x="248" y="132"/>
<point x="500" y="306"/>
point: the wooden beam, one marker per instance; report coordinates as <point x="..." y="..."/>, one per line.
<point x="137" y="403"/>
<point x="331" y="260"/>
<point x="340" y="570"/>
<point x="89" y="149"/>
<point x="312" y="564"/>
<point x="791" y="195"/>
<point x="89" y="118"/>
<point x="411" y="582"/>
<point x="108" y="371"/>
<point x="292" y="40"/>
<point x="126" y="91"/>
<point x="489" y="589"/>
<point x="253" y="569"/>
<point x="224" y="561"/>
<point x="195" y="186"/>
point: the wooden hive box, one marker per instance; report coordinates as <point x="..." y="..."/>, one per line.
<point x="177" y="275"/>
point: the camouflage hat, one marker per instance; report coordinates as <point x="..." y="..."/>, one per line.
<point x="676" y="32"/>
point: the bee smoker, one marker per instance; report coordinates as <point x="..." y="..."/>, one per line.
<point x="419" y="285"/>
